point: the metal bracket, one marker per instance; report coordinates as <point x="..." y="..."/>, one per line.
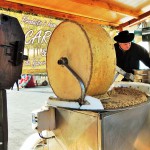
<point x="64" y="61"/>
<point x="16" y="55"/>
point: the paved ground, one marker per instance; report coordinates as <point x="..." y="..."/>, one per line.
<point x="20" y="105"/>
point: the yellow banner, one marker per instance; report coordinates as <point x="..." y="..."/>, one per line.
<point x="37" y="30"/>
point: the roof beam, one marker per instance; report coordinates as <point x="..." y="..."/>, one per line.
<point x="52" y="13"/>
<point x="109" y="6"/>
<point x="134" y="21"/>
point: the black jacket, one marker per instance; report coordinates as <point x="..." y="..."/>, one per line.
<point x="129" y="60"/>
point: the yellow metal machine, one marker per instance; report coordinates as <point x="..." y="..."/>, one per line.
<point x="80" y="65"/>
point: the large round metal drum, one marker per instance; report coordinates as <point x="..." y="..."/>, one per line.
<point x="11" y="51"/>
<point x="90" y="53"/>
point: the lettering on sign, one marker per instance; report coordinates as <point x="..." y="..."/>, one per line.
<point x="37" y="37"/>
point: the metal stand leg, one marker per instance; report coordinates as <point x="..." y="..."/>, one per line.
<point x="3" y="121"/>
<point x="17" y="85"/>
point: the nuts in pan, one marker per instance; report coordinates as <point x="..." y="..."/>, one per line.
<point x="121" y="97"/>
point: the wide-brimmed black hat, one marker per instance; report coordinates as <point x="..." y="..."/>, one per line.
<point x="124" y="37"/>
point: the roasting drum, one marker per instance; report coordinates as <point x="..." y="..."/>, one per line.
<point x="90" y="53"/>
<point x="11" y="51"/>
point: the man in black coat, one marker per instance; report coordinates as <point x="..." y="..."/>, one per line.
<point x="129" y="54"/>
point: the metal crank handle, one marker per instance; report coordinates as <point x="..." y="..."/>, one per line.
<point x="64" y="61"/>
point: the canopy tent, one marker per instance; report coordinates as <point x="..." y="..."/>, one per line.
<point x="117" y="13"/>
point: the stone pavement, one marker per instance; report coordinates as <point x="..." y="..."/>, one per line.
<point x="20" y="105"/>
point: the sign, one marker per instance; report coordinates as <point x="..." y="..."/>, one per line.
<point x="37" y="30"/>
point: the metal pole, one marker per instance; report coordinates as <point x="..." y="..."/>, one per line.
<point x="3" y="121"/>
